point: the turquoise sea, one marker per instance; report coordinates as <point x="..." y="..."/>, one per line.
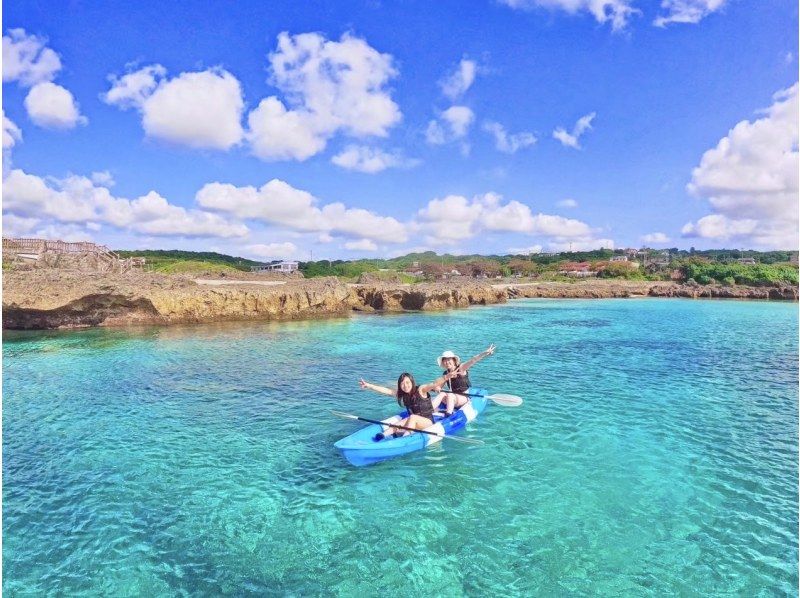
<point x="656" y="454"/>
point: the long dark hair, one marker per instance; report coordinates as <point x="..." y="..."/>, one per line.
<point x="402" y="396"/>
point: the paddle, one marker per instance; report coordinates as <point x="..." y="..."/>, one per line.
<point x="500" y="399"/>
<point x="373" y="421"/>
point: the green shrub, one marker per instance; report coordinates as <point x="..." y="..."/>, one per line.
<point x="751" y="275"/>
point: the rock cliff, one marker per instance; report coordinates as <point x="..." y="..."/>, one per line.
<point x="45" y="299"/>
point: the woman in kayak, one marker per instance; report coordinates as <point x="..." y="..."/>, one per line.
<point x="414" y="398"/>
<point x="460" y="379"/>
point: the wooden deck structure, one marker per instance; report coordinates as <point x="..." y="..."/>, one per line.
<point x="44" y="253"/>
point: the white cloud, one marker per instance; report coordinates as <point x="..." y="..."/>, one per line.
<point x="453" y="124"/>
<point x="279" y="134"/>
<point x="581" y="245"/>
<point x="506" y="143"/>
<point x="687" y="11"/>
<point x="103" y="179"/>
<point x="77" y="199"/>
<point x="11" y="133"/>
<point x="656" y="238"/>
<point x="370" y="160"/>
<point x="435" y="133"/>
<point x="71" y="233"/>
<point x="271" y="251"/>
<point x="362" y="245"/>
<point x="451" y="218"/>
<point x="718" y="226"/>
<point x="459" y="118"/>
<point x="201" y="110"/>
<point x="751" y="180"/>
<point x="329" y="87"/>
<point x="525" y="250"/>
<point x="459" y="81"/>
<point x="616" y="12"/>
<point x="133" y="89"/>
<point x="454" y="218"/>
<point x="30" y="63"/>
<point x="567" y="203"/>
<point x="277" y="202"/>
<point x="27" y="60"/>
<point x="53" y="107"/>
<point x="18" y="226"/>
<point x="197" y="109"/>
<point x="342" y="83"/>
<point x="572" y="139"/>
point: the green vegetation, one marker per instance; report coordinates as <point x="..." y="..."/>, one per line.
<point x="704" y="267"/>
<point x="339" y="268"/>
<point x="192" y="267"/>
<point x="734" y="273"/>
<point x="160" y="259"/>
<point x="624" y="270"/>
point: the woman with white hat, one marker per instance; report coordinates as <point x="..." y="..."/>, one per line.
<point x="460" y="382"/>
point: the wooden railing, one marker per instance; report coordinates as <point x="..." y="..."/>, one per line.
<point x="40" y="247"/>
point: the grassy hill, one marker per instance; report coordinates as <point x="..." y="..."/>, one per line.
<point x="175" y="261"/>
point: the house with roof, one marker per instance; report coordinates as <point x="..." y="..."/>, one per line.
<point x="577" y="269"/>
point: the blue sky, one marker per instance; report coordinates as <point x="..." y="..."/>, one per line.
<point x="369" y="128"/>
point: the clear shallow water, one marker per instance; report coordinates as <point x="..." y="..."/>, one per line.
<point x="656" y="453"/>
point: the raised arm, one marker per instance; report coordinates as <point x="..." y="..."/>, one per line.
<point x="437" y="384"/>
<point x="468" y="364"/>
<point x="374" y="387"/>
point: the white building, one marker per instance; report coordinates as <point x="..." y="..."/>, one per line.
<point x="284" y="267"/>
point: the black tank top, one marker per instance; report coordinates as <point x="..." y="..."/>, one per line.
<point x="459" y="383"/>
<point x="419" y="405"/>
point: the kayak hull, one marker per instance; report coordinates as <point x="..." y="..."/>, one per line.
<point x="361" y="449"/>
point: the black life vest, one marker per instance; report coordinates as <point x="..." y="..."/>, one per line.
<point x="418" y="405"/>
<point x="459" y="383"/>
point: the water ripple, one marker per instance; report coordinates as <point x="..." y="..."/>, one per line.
<point x="655" y="455"/>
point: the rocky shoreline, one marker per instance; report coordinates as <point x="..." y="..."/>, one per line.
<point x="50" y="299"/>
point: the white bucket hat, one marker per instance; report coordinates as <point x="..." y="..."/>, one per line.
<point x="447" y="355"/>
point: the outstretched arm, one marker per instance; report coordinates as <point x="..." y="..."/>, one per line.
<point x="374" y="387"/>
<point x="437" y="384"/>
<point x="468" y="364"/>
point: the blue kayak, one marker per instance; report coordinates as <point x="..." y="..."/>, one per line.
<point x="360" y="448"/>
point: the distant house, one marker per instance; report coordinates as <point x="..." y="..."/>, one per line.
<point x="577" y="270"/>
<point x="747" y="261"/>
<point x="619" y="258"/>
<point x="283" y="267"/>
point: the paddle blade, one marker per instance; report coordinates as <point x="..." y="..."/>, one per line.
<point x="342" y="414"/>
<point x="506" y="400"/>
<point x="464" y="440"/>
